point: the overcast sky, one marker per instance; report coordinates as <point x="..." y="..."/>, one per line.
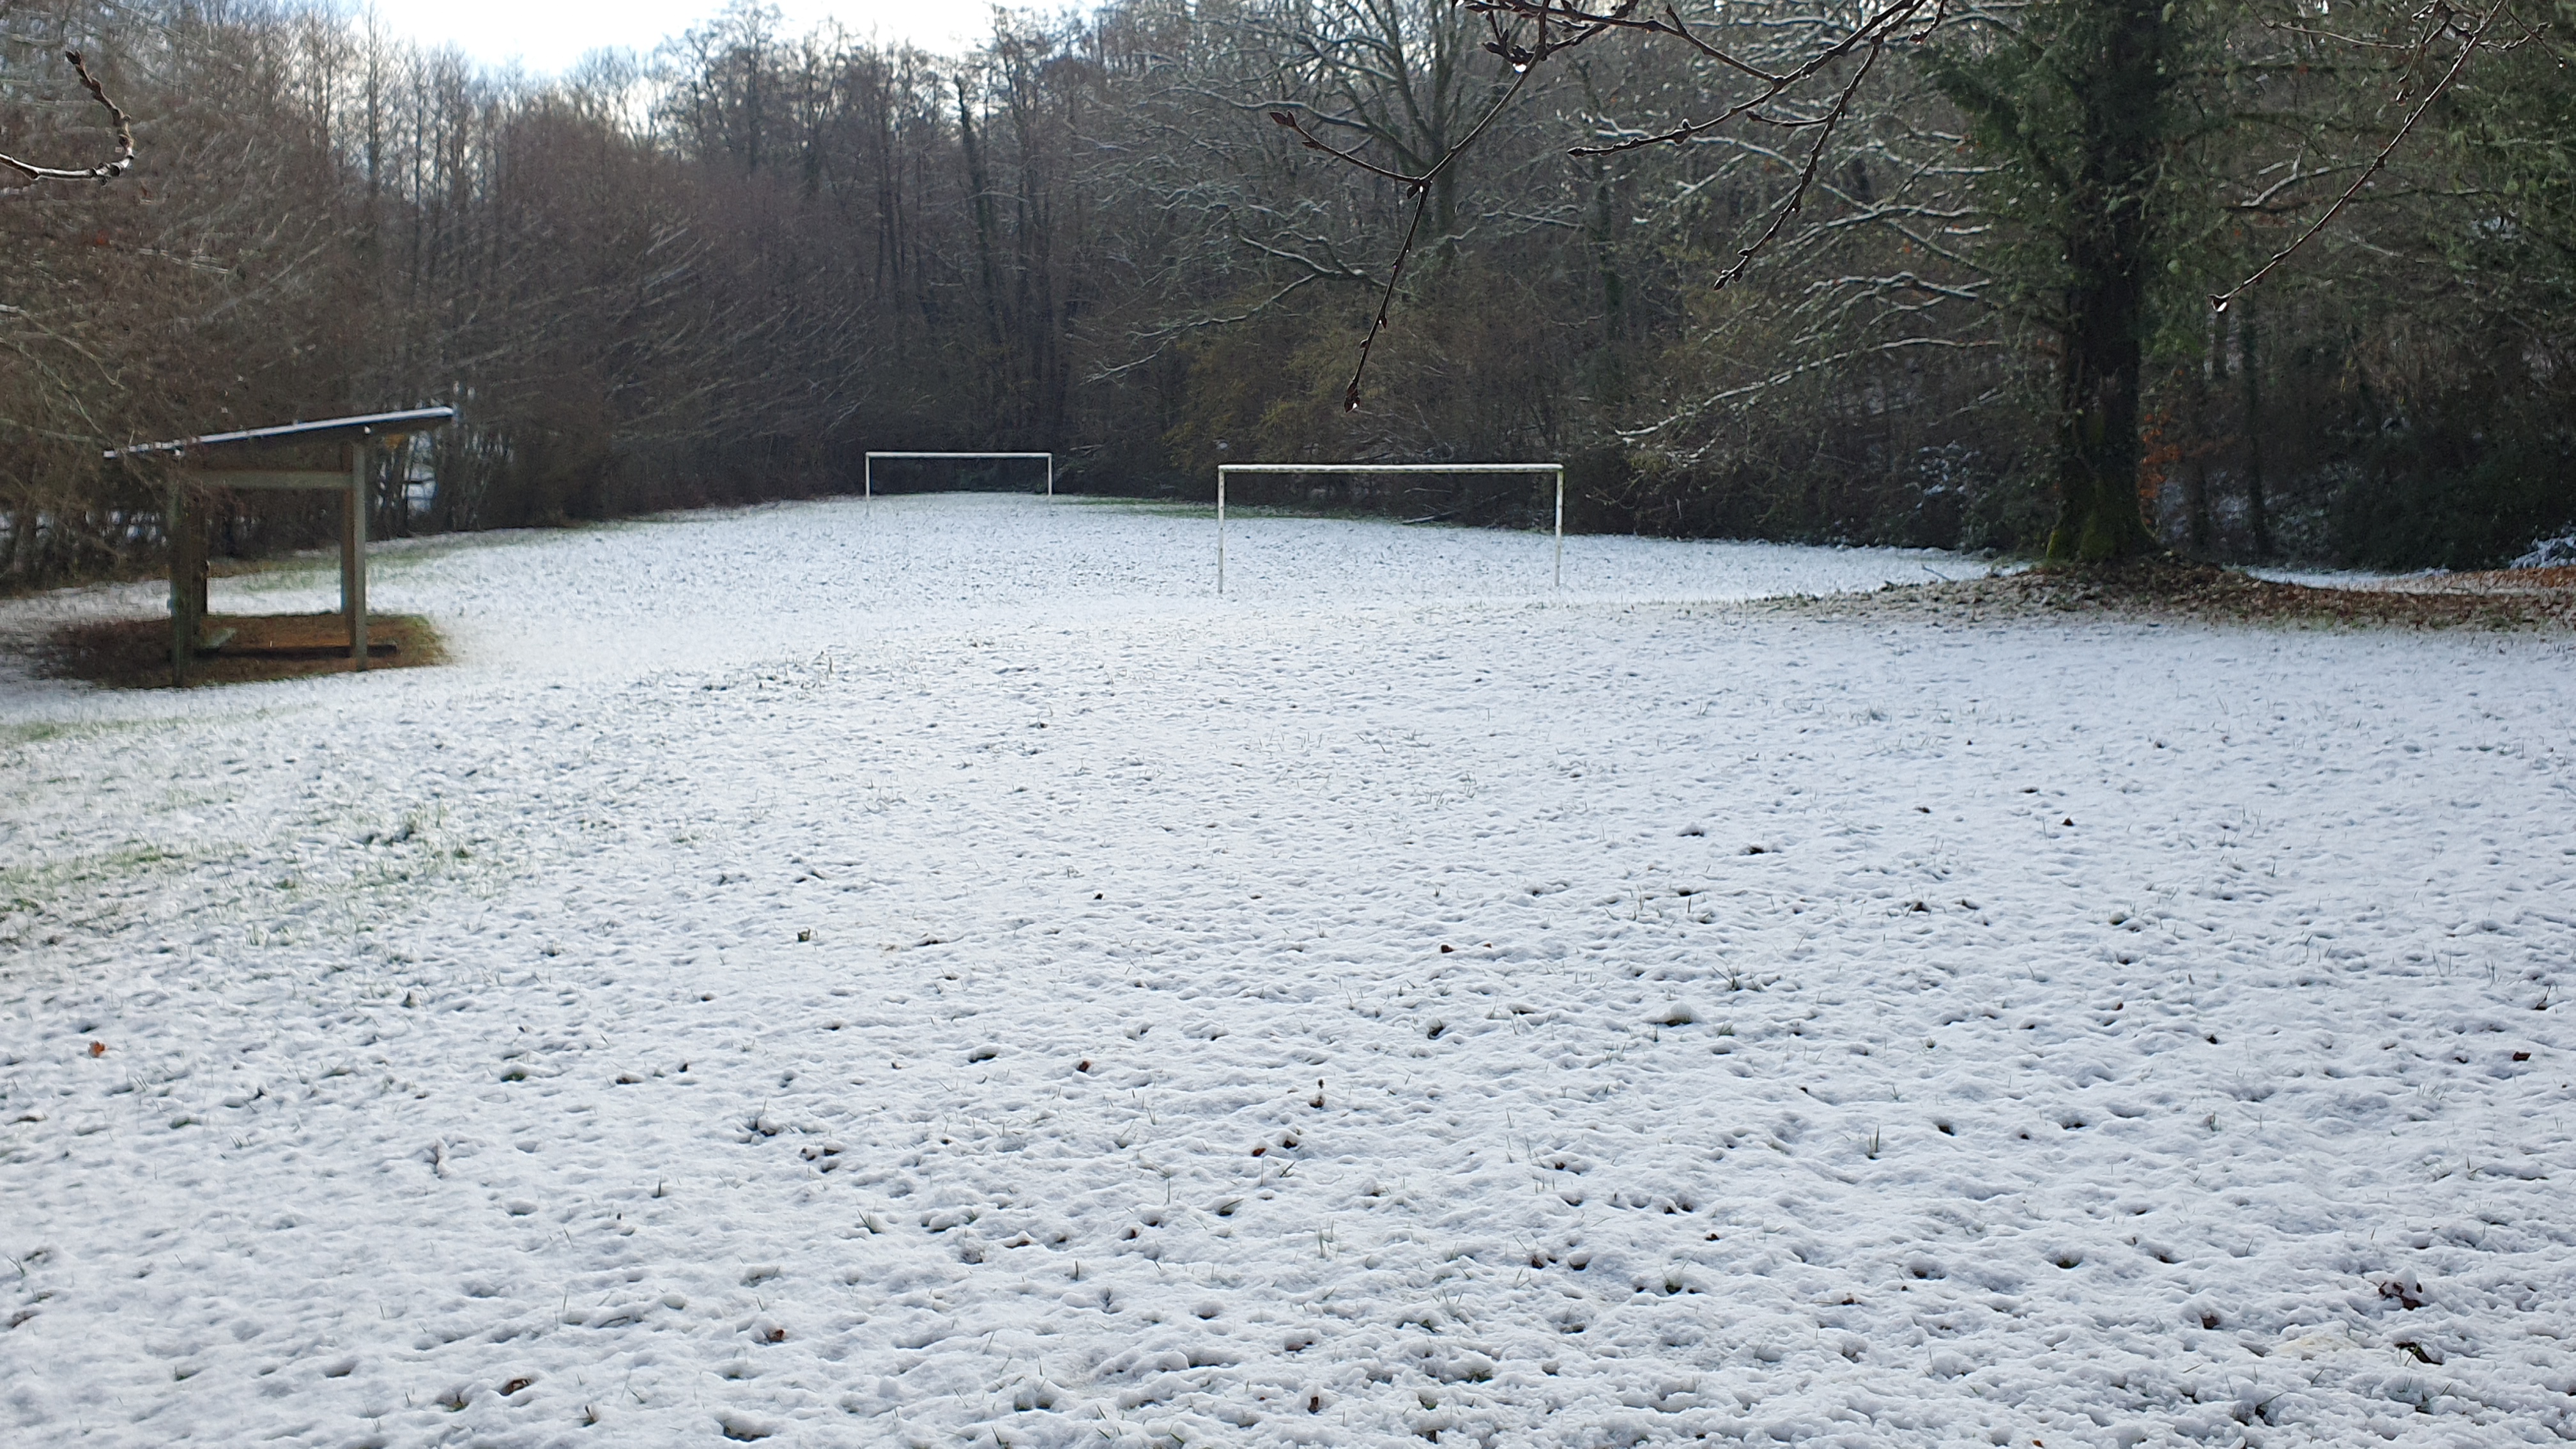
<point x="548" y="35"/>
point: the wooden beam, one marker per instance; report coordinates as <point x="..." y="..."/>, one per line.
<point x="318" y="479"/>
<point x="410" y="420"/>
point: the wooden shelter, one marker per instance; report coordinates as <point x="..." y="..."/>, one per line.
<point x="269" y="458"/>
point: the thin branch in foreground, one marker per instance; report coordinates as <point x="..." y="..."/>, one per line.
<point x="1386" y="299"/>
<point x="1791" y="374"/>
<point x="1563" y="24"/>
<point x="1872" y="32"/>
<point x="2218" y="301"/>
<point x="1421" y="186"/>
<point x="105" y="171"/>
<point x="1807" y="177"/>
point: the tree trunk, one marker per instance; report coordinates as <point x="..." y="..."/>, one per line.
<point x="999" y="410"/>
<point x="2102" y="328"/>
<point x="2203" y="423"/>
<point x="2098" y="519"/>
<point x="2258" y="507"/>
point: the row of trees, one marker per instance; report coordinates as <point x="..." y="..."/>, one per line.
<point x="1977" y="313"/>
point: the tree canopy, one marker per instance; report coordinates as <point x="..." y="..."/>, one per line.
<point x="1975" y="312"/>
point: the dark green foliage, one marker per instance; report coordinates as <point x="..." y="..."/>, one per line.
<point x="2441" y="495"/>
<point x="2077" y="108"/>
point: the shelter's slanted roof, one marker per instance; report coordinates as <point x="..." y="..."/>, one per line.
<point x="318" y="431"/>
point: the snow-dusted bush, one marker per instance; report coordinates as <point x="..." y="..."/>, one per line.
<point x="2548" y="553"/>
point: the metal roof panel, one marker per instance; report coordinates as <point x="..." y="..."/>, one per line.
<point x="412" y="420"/>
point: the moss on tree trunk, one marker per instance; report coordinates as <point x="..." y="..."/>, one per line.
<point x="2076" y="102"/>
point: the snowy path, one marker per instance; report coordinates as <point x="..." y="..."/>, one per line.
<point x="1017" y="999"/>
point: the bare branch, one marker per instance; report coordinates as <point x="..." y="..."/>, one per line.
<point x="1562" y="24"/>
<point x="105" y="171"/>
<point x="1395" y="274"/>
<point x="2469" y="47"/>
<point x="1283" y="118"/>
<point x="1421" y="187"/>
<point x="1872" y="32"/>
<point x="1807" y="177"/>
<point x="1791" y="374"/>
<point x="1162" y="337"/>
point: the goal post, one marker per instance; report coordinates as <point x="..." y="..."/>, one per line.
<point x="1225" y="469"/>
<point x="868" y="472"/>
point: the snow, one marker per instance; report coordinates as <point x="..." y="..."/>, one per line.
<point x="2548" y="553"/>
<point x="2337" y="578"/>
<point x="930" y="973"/>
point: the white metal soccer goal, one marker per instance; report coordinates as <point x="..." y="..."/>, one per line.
<point x="868" y="473"/>
<point x="1223" y="469"/>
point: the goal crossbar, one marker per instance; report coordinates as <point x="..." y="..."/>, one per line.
<point x="868" y="471"/>
<point x="1223" y="469"/>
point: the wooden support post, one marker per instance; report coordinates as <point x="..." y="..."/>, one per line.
<point x="191" y="481"/>
<point x="199" y="525"/>
<point x="183" y="589"/>
<point x="353" y="555"/>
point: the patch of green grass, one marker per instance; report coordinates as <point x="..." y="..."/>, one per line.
<point x="28" y="734"/>
<point x="38" y="731"/>
<point x="30" y="887"/>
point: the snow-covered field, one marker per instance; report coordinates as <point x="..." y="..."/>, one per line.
<point x="934" y="975"/>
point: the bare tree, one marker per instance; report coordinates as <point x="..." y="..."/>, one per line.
<point x="722" y="276"/>
<point x="1523" y="34"/>
<point x="2076" y="108"/>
